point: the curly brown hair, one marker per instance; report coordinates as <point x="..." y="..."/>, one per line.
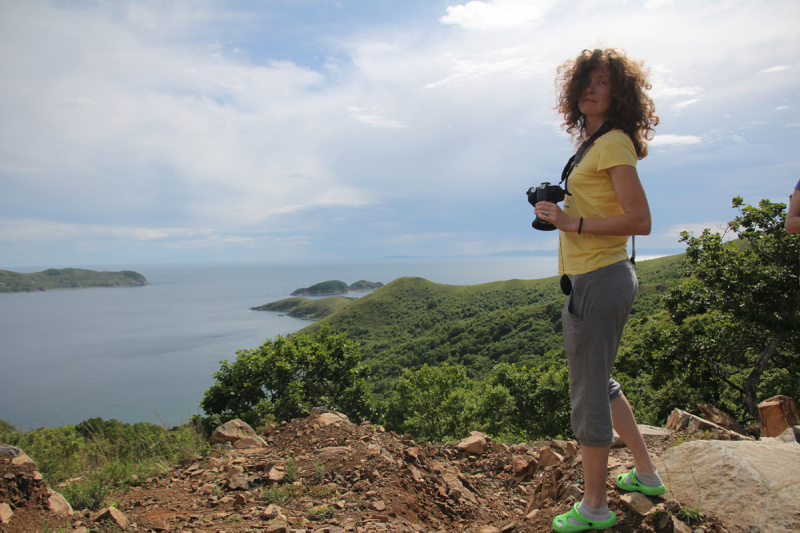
<point x="632" y="110"/>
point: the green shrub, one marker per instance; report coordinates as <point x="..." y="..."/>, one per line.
<point x="98" y="458"/>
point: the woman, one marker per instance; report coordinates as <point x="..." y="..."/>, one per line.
<point x="607" y="204"/>
<point x="793" y="215"/>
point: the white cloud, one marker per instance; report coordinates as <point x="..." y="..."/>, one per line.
<point x="697" y="228"/>
<point x="496" y="14"/>
<point x="153" y="116"/>
<point x="670" y="139"/>
<point x="770" y="70"/>
<point x="473" y="70"/>
<point x="681" y="105"/>
<point x="377" y="121"/>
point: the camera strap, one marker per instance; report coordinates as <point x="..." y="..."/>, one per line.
<point x="575" y="159"/>
<point x="565" y="282"/>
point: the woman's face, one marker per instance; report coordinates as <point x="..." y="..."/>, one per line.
<point x="595" y="100"/>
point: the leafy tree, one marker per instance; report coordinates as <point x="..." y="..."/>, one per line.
<point x="513" y="403"/>
<point x="432" y="403"/>
<point x="738" y="312"/>
<point x="541" y="399"/>
<point x="288" y="376"/>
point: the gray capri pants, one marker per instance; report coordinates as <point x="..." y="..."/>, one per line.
<point x="593" y="319"/>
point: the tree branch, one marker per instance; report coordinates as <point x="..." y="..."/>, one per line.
<point x="751" y="384"/>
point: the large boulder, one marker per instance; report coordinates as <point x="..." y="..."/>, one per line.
<point x="777" y="414"/>
<point x="679" y="420"/>
<point x="475" y="444"/>
<point x="233" y="431"/>
<point x="752" y="486"/>
<point x="721" y="418"/>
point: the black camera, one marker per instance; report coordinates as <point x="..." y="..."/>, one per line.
<point x="545" y="193"/>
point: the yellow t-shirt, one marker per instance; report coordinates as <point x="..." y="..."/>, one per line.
<point x="593" y="196"/>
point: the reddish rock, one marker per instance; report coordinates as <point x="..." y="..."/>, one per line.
<point x="777" y="414"/>
<point x="637" y="502"/>
<point x="276" y="473"/>
<point x="58" y="505"/>
<point x="22" y="459"/>
<point x="232" y="431"/>
<point x="475" y="444"/>
<point x="247" y="443"/>
<point x="523" y="466"/>
<point x="112" y="514"/>
<point x="5" y="513"/>
<point x="159" y="525"/>
<point x="721" y="418"/>
<point x="377" y="506"/>
<point x="548" y="457"/>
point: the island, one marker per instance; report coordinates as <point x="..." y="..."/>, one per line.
<point x="67" y="278"/>
<point x="327" y="288"/>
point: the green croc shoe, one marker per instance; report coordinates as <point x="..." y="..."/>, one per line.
<point x="574" y="521"/>
<point x="630" y="483"/>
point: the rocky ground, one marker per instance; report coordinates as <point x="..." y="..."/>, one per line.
<point x="323" y="474"/>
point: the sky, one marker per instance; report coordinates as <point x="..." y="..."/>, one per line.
<point x="164" y="131"/>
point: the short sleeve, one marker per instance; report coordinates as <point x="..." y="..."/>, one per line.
<point x="616" y="149"/>
<point x="797" y="187"/>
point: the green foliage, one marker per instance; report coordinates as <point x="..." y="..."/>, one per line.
<point x="294" y="492"/>
<point x="411" y="322"/>
<point x="66" y="278"/>
<point x="691" y="515"/>
<point x="364" y="285"/>
<point x="306" y="307"/>
<point x="698" y="435"/>
<point x="5" y="427"/>
<point x="441" y="403"/>
<point x="737" y="315"/>
<point x="291" y="470"/>
<point x="288" y="376"/>
<point x="432" y="403"/>
<point x="319" y="469"/>
<point x="106" y="457"/>
<point x="541" y="400"/>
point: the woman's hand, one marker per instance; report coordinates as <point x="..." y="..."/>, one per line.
<point x="550" y="212"/>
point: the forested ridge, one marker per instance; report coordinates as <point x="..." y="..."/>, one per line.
<point x="412" y="321"/>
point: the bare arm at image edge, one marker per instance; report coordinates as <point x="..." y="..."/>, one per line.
<point x="793" y="216"/>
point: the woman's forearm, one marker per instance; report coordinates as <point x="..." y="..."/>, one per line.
<point x="624" y="224"/>
<point x="793" y="216"/>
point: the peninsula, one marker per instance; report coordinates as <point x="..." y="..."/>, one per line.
<point x="67" y="278"/>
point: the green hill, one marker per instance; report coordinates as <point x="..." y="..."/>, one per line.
<point x="412" y="321"/>
<point x="307" y="308"/>
<point x="67" y="278"/>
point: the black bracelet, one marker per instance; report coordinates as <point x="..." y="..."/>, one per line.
<point x="580" y="225"/>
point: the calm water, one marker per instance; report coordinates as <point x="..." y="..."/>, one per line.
<point x="147" y="354"/>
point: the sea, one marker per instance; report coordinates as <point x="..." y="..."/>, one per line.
<point x="147" y="354"/>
